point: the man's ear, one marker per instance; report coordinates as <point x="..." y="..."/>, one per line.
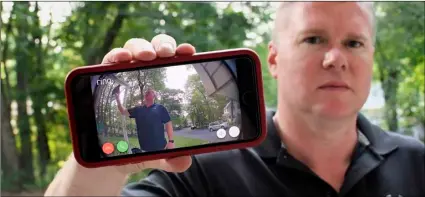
<point x="271" y="59"/>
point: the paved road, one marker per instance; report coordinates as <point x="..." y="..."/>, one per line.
<point x="203" y="134"/>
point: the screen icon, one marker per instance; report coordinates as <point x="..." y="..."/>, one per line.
<point x="221" y="133"/>
<point x="122" y="146"/>
<point x="234" y="131"/>
<point x="108" y="148"/>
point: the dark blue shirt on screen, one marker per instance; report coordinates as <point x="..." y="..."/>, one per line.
<point x="150" y="126"/>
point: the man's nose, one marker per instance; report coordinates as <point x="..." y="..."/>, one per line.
<point x="335" y="59"/>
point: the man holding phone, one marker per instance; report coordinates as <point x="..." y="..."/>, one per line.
<point x="150" y="120"/>
<point x="317" y="145"/>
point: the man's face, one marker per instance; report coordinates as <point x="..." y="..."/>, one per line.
<point x="149" y="95"/>
<point x="323" y="43"/>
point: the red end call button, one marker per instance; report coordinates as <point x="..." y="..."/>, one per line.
<point x="108" y="148"/>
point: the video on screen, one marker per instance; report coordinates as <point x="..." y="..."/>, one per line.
<point x="166" y="108"/>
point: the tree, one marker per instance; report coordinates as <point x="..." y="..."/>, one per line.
<point x="38" y="84"/>
<point x="172" y="100"/>
<point x="9" y="151"/>
<point x="23" y="59"/>
<point x="399" y="50"/>
<point x="203" y="109"/>
<point x="199" y="107"/>
<point x="86" y="24"/>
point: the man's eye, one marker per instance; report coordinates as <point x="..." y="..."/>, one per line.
<point x="313" y="40"/>
<point x="354" y="44"/>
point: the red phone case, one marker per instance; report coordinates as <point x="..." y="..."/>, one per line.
<point x="175" y="60"/>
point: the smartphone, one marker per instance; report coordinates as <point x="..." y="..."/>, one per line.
<point x="137" y="111"/>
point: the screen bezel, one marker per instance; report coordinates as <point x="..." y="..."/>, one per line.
<point x="81" y="117"/>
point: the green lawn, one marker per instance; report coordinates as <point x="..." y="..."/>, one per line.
<point x="179" y="142"/>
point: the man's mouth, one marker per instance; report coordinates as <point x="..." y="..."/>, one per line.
<point x="335" y="85"/>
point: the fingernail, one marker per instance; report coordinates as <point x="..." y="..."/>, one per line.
<point x="148" y="48"/>
<point x="166" y="47"/>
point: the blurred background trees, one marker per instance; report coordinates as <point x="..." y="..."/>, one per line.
<point x="41" y="42"/>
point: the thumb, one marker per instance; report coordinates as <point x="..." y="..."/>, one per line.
<point x="176" y="164"/>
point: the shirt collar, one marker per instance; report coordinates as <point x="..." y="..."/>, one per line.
<point x="153" y="105"/>
<point x="368" y="135"/>
<point x="379" y="140"/>
<point x="362" y="139"/>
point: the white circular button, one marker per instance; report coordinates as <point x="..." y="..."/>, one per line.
<point x="234" y="131"/>
<point x="221" y="133"/>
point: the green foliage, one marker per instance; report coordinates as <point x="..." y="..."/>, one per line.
<point x="172" y="99"/>
<point x="270" y="85"/>
<point x="400" y="50"/>
<point x="203" y="109"/>
<point x="411" y="96"/>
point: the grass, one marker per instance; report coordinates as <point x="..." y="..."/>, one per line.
<point x="133" y="141"/>
<point x="178" y="140"/>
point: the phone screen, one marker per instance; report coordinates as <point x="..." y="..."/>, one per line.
<point x="165" y="108"/>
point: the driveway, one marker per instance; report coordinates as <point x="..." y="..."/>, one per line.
<point x="202" y="134"/>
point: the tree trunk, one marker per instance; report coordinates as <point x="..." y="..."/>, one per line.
<point x="210" y="114"/>
<point x="26" y="158"/>
<point x="102" y="109"/>
<point x="39" y="100"/>
<point x="42" y="140"/>
<point x="388" y="76"/>
<point x="141" y="85"/>
<point x="109" y="107"/>
<point x="9" y="151"/>
<point x="23" y="62"/>
<point x="390" y="87"/>
<point x="231" y="112"/>
<point x="25" y="132"/>
<point x="111" y="34"/>
<point x="5" y="54"/>
<point x="129" y="104"/>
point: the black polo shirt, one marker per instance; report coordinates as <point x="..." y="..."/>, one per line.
<point x="385" y="164"/>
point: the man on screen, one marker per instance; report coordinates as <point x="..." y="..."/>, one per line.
<point x="150" y="119"/>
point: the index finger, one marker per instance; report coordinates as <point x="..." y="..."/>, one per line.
<point x="117" y="55"/>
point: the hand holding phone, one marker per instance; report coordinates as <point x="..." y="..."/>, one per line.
<point x="141" y="50"/>
<point x="172" y="106"/>
<point x="76" y="180"/>
<point x="110" y="178"/>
